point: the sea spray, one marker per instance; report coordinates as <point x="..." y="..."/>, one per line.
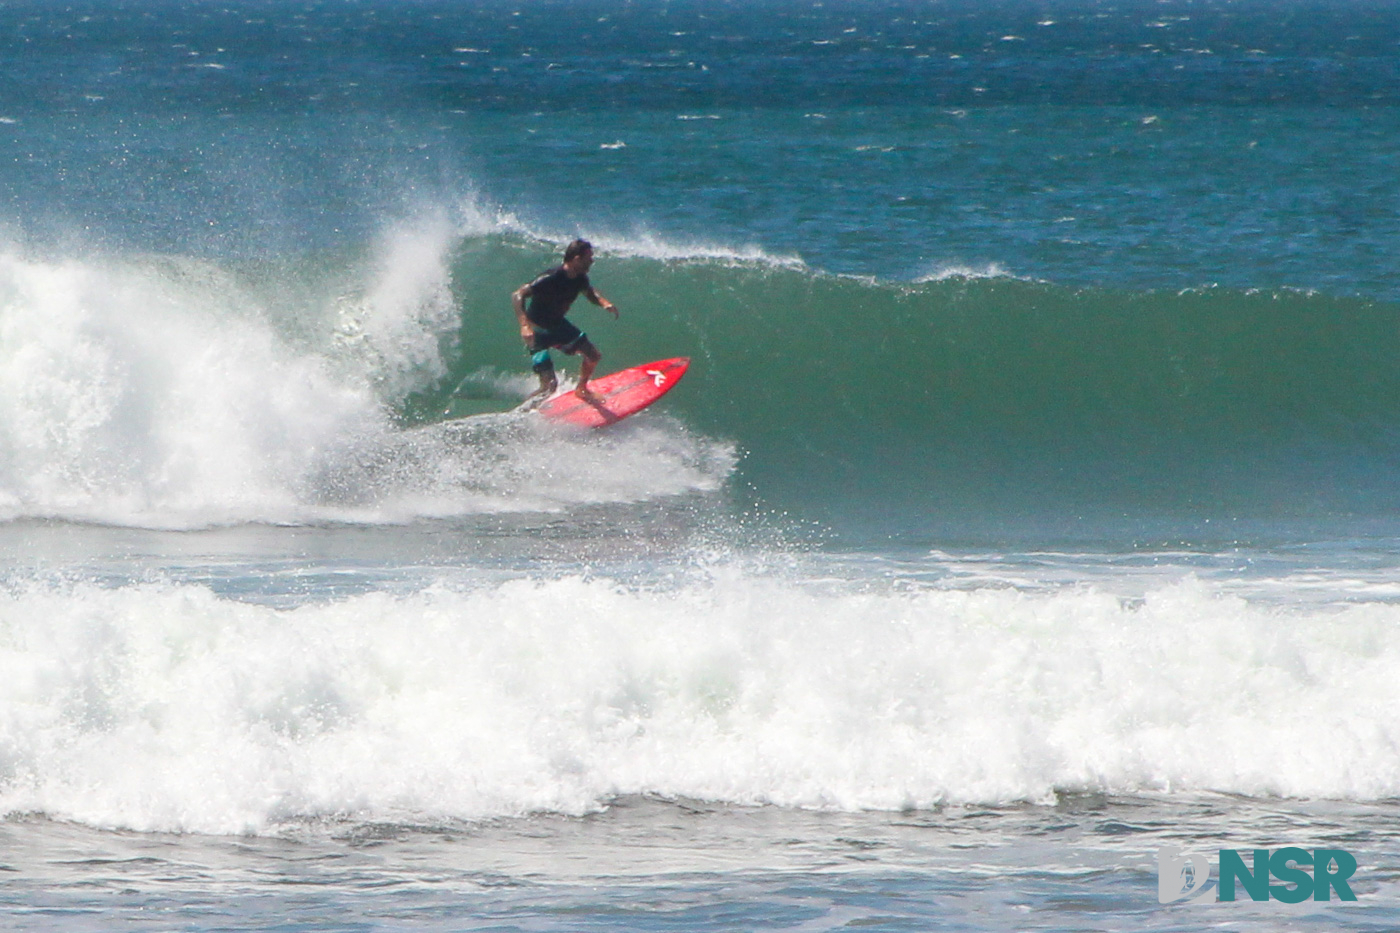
<point x="393" y="323"/>
<point x="173" y="392"/>
<point x="130" y="391"/>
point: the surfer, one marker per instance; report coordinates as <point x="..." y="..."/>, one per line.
<point x="543" y="325"/>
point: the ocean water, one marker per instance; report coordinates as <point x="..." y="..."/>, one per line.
<point x="1031" y="504"/>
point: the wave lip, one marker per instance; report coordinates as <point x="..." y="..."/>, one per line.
<point x="960" y="272"/>
<point x="166" y="708"/>
<point x="651" y="246"/>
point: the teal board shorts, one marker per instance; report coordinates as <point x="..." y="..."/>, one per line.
<point x="561" y="334"/>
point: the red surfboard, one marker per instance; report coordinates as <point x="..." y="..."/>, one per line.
<point x="623" y="393"/>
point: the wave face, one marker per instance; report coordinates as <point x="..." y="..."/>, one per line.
<point x="183" y="393"/>
<point x="163" y="707"/>
<point x="982" y="394"/>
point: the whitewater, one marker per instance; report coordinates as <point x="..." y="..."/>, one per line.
<point x="165" y="708"/>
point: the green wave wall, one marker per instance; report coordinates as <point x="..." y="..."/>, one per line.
<point x="991" y="397"/>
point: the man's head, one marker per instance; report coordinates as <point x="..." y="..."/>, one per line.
<point x="578" y="256"/>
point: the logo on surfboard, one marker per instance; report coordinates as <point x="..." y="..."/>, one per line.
<point x="657" y="376"/>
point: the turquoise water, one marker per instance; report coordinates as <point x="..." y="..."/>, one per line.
<point x="1029" y="504"/>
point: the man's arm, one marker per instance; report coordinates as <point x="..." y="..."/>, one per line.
<point x="517" y="300"/>
<point x="597" y="298"/>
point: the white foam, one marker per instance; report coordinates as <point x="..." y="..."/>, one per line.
<point x="148" y="388"/>
<point x="510" y="462"/>
<point x="163" y="392"/>
<point x="166" y="708"/>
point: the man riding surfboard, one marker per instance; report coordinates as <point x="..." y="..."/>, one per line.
<point x="543" y="324"/>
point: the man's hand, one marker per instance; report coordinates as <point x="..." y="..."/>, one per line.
<point x="527" y="333"/>
<point x="611" y="308"/>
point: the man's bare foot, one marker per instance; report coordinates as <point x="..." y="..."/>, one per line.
<point x="587" y="394"/>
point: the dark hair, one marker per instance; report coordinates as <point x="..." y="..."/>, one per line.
<point x="577" y="247"/>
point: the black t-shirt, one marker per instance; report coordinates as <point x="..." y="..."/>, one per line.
<point x="552" y="293"/>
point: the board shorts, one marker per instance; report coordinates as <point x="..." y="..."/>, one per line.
<point x="561" y="334"/>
